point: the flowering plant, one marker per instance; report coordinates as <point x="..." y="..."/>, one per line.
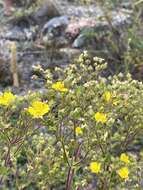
<point x="82" y="131"/>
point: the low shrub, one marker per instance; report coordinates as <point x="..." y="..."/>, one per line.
<point x="82" y="130"/>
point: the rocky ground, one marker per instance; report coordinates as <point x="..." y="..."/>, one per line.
<point x="55" y="38"/>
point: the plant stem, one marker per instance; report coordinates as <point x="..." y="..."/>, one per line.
<point x="72" y="171"/>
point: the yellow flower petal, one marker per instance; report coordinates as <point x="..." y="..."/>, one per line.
<point x="95" y="167"/>
<point x="59" y="86"/>
<point x="107" y="96"/>
<point x="78" y="131"/>
<point x="38" y="109"/>
<point x="116" y="102"/>
<point x="7" y="98"/>
<point x="123" y="172"/>
<point x="100" y="117"/>
<point x="124" y="158"/>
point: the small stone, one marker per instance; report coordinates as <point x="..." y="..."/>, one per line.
<point x="55" y="23"/>
<point x="15" y="34"/>
<point x="79" y="41"/>
<point x="19" y="34"/>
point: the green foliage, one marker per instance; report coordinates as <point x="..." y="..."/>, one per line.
<point x="50" y="153"/>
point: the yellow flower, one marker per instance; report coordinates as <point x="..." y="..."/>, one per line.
<point x="100" y="117"/>
<point x="7" y="98"/>
<point x="95" y="167"/>
<point x="116" y="102"/>
<point x="123" y="172"/>
<point x="59" y="86"/>
<point x="107" y="96"/>
<point x="78" y="131"/>
<point x="38" y="109"/>
<point x="124" y="158"/>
